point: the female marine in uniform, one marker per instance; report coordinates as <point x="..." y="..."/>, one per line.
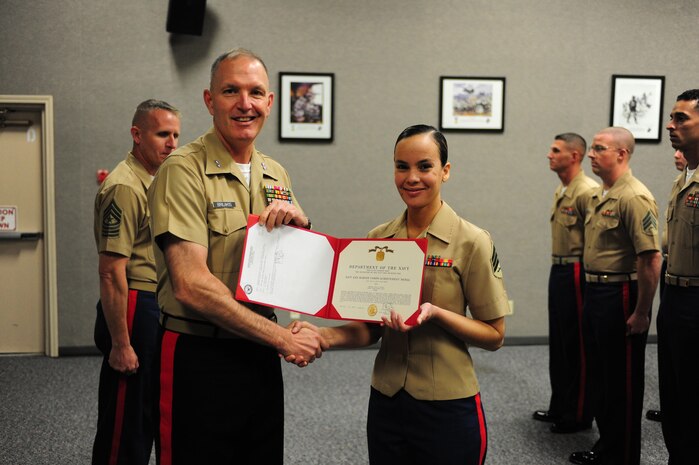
<point x="425" y="404"/>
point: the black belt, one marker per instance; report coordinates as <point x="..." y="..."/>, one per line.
<point x="559" y="260"/>
<point x="681" y="281"/>
<point x="610" y="278"/>
<point x="198" y="327"/>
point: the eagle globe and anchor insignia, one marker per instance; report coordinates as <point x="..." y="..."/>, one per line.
<point x="380" y="252"/>
<point x="380" y="255"/>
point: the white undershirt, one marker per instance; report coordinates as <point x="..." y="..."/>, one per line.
<point x="245" y="169"/>
<point x="688" y="175"/>
<point x="604" y="193"/>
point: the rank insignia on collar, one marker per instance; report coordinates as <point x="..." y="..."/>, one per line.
<point x="264" y="167"/>
<point x="692" y="200"/>
<point x="218" y="163"/>
<point x="278" y="193"/>
<point x="436" y="260"/>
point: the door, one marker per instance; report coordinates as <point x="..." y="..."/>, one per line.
<point x="27" y="319"/>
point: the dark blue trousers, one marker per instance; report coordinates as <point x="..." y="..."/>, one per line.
<point x="616" y="370"/>
<point x="221" y="402"/>
<point x="402" y="430"/>
<point x="126" y="404"/>
<point x="570" y="401"/>
<point x="678" y="368"/>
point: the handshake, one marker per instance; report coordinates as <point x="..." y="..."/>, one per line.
<point x="304" y="343"/>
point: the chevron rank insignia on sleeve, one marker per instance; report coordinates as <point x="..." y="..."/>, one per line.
<point x="111" y="220"/>
<point x="650" y="223"/>
<point x="495" y="263"/>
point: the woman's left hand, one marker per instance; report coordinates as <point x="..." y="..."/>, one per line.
<point x="395" y="321"/>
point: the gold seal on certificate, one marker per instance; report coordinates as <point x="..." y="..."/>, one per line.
<point x="371" y="311"/>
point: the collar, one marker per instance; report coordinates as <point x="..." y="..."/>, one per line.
<point x="571" y="185"/>
<point x="139" y="170"/>
<point x="680" y="180"/>
<point x="442" y="226"/>
<point x="219" y="160"/>
<point x="613" y="192"/>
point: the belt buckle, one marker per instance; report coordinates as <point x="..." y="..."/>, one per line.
<point x="603" y="278"/>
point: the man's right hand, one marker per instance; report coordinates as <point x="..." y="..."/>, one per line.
<point x="306" y="345"/>
<point x="123" y="359"/>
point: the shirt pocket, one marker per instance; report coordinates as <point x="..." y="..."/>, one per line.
<point x="609" y="232"/>
<point x="226" y="238"/>
<point x="567" y="221"/>
<point x="688" y="223"/>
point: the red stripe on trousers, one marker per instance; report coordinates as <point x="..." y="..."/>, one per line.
<point x="481" y="427"/>
<point x="167" y="365"/>
<point x="629" y="377"/>
<point x="577" y="269"/>
<point x="121" y="389"/>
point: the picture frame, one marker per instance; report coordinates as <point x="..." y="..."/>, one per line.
<point x="306" y="102"/>
<point x="637" y="105"/>
<point x="472" y="104"/>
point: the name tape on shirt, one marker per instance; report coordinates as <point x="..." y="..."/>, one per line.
<point x="227" y="204"/>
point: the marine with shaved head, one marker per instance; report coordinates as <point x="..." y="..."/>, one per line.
<point x="622" y="263"/>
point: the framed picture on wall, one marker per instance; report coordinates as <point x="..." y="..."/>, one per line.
<point x="637" y="105"/>
<point x="472" y="104"/>
<point x="306" y="102"/>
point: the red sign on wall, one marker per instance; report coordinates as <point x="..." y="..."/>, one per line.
<point x="8" y="218"/>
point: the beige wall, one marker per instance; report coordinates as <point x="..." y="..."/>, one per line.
<point x="558" y="56"/>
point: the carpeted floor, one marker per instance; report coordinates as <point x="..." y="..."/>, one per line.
<point x="48" y="409"/>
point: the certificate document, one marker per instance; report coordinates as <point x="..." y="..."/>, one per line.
<point x="308" y="272"/>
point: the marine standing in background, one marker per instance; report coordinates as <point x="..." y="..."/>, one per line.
<point x="569" y="408"/>
<point x="680" y="164"/>
<point x="126" y="328"/>
<point x="622" y="263"/>
<point x="678" y="318"/>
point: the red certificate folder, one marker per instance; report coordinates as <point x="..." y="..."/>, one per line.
<point x="304" y="271"/>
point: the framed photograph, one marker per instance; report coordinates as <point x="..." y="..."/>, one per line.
<point x="306" y="102"/>
<point x="472" y="104"/>
<point x="637" y="105"/>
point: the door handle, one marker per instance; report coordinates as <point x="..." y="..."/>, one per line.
<point x="21" y="236"/>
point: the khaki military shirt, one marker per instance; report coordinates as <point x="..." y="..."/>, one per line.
<point x="620" y="226"/>
<point x="462" y="270"/>
<point x="121" y="221"/>
<point x="568" y="216"/>
<point x="683" y="227"/>
<point x="200" y="195"/>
